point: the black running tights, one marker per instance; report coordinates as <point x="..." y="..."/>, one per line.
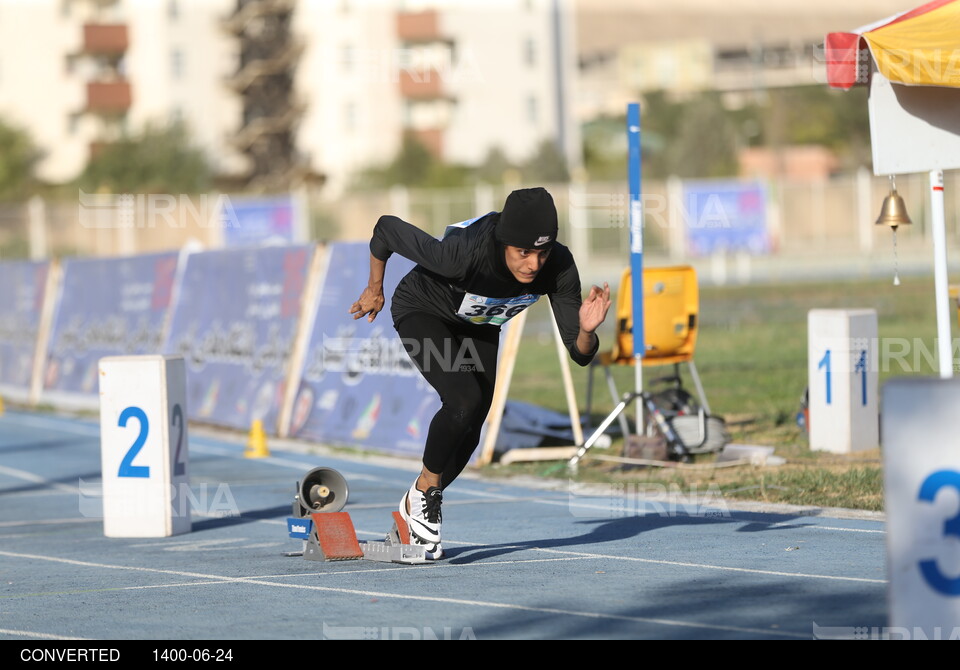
<point x="460" y="362"/>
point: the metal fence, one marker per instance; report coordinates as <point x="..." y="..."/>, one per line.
<point x="821" y="228"/>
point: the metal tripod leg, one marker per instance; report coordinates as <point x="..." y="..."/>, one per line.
<point x="696" y="382"/>
<point x="614" y="394"/>
<point x="617" y="411"/>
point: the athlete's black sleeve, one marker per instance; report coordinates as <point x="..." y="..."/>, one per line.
<point x="446" y="258"/>
<point x="566" y="302"/>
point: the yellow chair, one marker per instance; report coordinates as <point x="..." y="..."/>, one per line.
<point x="671" y="300"/>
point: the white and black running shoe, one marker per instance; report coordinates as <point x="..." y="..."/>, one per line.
<point x="432" y="552"/>
<point x="424" y="517"/>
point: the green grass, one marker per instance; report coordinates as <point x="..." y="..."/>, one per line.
<point x="752" y="358"/>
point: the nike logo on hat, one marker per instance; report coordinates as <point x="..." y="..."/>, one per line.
<point x="541" y="241"/>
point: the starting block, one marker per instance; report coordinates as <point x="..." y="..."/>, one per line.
<point x="330" y="536"/>
<point x="396" y="548"/>
<point x="327" y="536"/>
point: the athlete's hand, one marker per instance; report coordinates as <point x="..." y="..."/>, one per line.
<point x="594" y="308"/>
<point x="368" y="304"/>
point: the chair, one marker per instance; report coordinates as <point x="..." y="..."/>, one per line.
<point x="671" y="320"/>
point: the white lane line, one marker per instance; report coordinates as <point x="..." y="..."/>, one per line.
<point x="72" y="428"/>
<point x="707" y="566"/>
<point x="37" y="479"/>
<point x="42" y="636"/>
<point x="198" y="446"/>
<point x="433" y="599"/>
<point x="39" y="522"/>
<point x="850" y="530"/>
<point x="253" y="579"/>
<point x="617" y="511"/>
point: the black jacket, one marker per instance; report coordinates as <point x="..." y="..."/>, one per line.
<point x="466" y="272"/>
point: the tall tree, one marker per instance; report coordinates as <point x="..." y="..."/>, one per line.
<point x="18" y="155"/>
<point x="161" y="159"/>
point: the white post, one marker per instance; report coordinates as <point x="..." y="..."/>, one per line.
<point x="400" y="202"/>
<point x="579" y="222"/>
<point x="865" y="224"/>
<point x="941" y="290"/>
<point x="676" y="219"/>
<point x="483" y="200"/>
<point x="37" y="221"/>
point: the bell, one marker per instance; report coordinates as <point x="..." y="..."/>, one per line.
<point x="894" y="211"/>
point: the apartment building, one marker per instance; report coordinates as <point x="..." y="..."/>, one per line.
<point x="464" y="77"/>
<point x="77" y="73"/>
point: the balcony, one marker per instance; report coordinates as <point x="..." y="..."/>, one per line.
<point x="105" y="39"/>
<point x="421" y="84"/>
<point x="108" y="97"/>
<point x="419" y="26"/>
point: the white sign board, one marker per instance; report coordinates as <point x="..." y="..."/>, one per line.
<point x="913" y="128"/>
<point x="143" y="446"/>
<point x="842" y="380"/>
<point x="921" y="449"/>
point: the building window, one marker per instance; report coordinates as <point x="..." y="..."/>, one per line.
<point x="177" y="63"/>
<point x="533" y="112"/>
<point x="350" y="117"/>
<point x="530" y="52"/>
<point x="173" y="10"/>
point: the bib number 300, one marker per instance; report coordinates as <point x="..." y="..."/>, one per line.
<point x="495" y="311"/>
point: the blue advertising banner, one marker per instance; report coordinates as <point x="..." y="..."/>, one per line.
<point x="106" y="307"/>
<point x="234" y="323"/>
<point x="22" y="287"/>
<point x="358" y="385"/>
<point x="724" y="216"/>
<point x="250" y="221"/>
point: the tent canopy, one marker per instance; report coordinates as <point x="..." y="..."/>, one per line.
<point x="920" y="47"/>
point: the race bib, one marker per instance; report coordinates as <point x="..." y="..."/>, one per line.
<point x="496" y="311"/>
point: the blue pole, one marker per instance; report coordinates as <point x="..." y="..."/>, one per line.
<point x="636" y="248"/>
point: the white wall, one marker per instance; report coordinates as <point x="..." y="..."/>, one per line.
<point x="36" y="91"/>
<point x="194" y="91"/>
<point x="347" y="79"/>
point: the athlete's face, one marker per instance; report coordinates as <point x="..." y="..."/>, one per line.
<point x="524" y="264"/>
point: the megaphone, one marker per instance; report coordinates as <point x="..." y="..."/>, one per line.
<point x="322" y="490"/>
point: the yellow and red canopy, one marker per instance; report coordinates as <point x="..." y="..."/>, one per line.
<point x="920" y="47"/>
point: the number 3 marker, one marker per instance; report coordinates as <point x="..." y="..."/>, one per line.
<point x="951" y="527"/>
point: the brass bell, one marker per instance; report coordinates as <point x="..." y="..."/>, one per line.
<point x="894" y="211"/>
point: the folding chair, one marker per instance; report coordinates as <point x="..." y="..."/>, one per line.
<point x="671" y="318"/>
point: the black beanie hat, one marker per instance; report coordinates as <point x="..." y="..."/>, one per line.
<point x="528" y="219"/>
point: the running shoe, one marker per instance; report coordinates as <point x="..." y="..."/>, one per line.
<point x="424" y="517"/>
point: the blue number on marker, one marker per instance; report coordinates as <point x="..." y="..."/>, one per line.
<point x="127" y="468"/>
<point x="928" y="491"/>
<point x="825" y="363"/>
<point x="861" y="367"/>
<point x="177" y="420"/>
